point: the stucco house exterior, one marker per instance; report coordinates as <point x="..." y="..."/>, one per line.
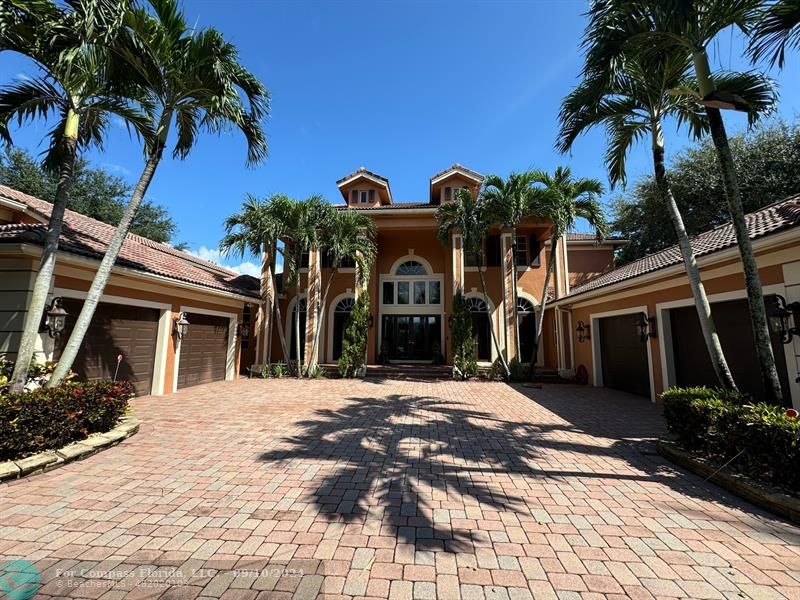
<point x="152" y="285"/>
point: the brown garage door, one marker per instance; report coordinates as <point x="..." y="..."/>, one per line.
<point x="732" y="320"/>
<point x="204" y="350"/>
<point x="623" y="355"/>
<point x="115" y="329"/>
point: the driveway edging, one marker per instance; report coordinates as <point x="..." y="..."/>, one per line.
<point x="52" y="459"/>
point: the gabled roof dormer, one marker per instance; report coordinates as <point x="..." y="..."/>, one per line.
<point x="365" y="189"/>
<point x="444" y="183"/>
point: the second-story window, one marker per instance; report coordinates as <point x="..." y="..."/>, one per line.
<point x="522" y="251"/>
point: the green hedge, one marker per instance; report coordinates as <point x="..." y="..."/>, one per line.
<point x="759" y="439"/>
<point x="49" y="418"/>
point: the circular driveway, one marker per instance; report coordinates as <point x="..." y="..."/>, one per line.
<point x="392" y="489"/>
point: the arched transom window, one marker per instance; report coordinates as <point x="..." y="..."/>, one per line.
<point x="477" y="305"/>
<point x="411" y="267"/>
<point x="345" y="305"/>
<point x="524" y="305"/>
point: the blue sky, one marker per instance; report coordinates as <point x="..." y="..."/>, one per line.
<point x="403" y="88"/>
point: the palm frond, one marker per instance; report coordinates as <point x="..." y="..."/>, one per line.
<point x="776" y="30"/>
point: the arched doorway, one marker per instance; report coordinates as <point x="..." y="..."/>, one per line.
<point x="296" y="309"/>
<point x="481" y="332"/>
<point x="527" y="328"/>
<point x="341" y="315"/>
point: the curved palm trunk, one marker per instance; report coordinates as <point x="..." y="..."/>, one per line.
<point x="277" y="311"/>
<point x="491" y="324"/>
<point x="318" y="328"/>
<point x="551" y="265"/>
<point x="47" y="263"/>
<point x="701" y="302"/>
<point x="755" y="295"/>
<point x="104" y="270"/>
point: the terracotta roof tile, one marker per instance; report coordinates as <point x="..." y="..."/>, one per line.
<point x="400" y="205"/>
<point x="88" y="237"/>
<point x="574" y="236"/>
<point x="771" y="219"/>
<point x="458" y="167"/>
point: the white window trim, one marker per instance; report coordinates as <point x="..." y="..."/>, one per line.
<point x="230" y="359"/>
<point x="495" y="317"/>
<point x="329" y="314"/>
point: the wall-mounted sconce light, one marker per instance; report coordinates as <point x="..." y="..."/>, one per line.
<point x="584" y="332"/>
<point x="181" y="325"/>
<point x="370" y="320"/>
<point x="646" y="327"/>
<point x="781" y="315"/>
<point x="56" y="319"/>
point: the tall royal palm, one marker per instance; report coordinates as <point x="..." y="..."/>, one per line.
<point x="508" y="202"/>
<point x="193" y="80"/>
<point x="347" y="236"/>
<point x="631" y="101"/>
<point x="653" y="27"/>
<point x="257" y="228"/>
<point x="470" y="218"/>
<point x="562" y="199"/>
<point x="776" y="28"/>
<point x="83" y="80"/>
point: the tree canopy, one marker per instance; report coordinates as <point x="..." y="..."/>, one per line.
<point x="96" y="193"/>
<point x="766" y="158"/>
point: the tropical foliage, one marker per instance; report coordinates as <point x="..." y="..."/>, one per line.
<point x="465" y="364"/>
<point x="354" y="344"/>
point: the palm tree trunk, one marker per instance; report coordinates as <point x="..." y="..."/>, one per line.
<point x="755" y="295"/>
<point x="515" y="293"/>
<point x="298" y="361"/>
<point x="491" y="324"/>
<point x="318" y="328"/>
<point x="277" y="311"/>
<point x="701" y="302"/>
<point x="104" y="270"/>
<point x="551" y="265"/>
<point x="47" y="263"/>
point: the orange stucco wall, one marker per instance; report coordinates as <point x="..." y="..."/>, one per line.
<point x="588" y="263"/>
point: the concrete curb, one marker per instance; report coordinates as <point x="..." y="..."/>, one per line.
<point x="779" y="503"/>
<point x="52" y="459"/>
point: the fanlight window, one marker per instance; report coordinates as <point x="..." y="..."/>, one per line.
<point x="524" y="305"/>
<point x="411" y="267"/>
<point x="300" y="305"/>
<point x="477" y="305"/>
<point x="345" y="305"/>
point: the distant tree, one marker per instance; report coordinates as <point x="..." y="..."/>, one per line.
<point x="95" y="193"/>
<point x="766" y="159"/>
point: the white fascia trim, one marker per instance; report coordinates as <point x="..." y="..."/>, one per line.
<point x="17" y="206"/>
<point x="230" y="359"/>
<point x="398" y="211"/>
<point x="454" y="171"/>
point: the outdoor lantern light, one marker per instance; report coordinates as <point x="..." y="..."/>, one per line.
<point x="181" y="325"/>
<point x="583" y="332"/>
<point x="244" y="331"/>
<point x="370" y="319"/>
<point x="780" y="321"/>
<point x="646" y="327"/>
<point x="56" y="319"/>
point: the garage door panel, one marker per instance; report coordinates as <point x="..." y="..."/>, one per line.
<point x="623" y="356"/>
<point x="204" y="350"/>
<point x="115" y="329"/>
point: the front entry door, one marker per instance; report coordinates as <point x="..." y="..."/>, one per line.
<point x="411" y="337"/>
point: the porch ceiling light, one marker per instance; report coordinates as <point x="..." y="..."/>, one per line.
<point x="181" y="325"/>
<point x="781" y="316"/>
<point x="584" y="332"/>
<point x="56" y="319"/>
<point x="646" y="327"/>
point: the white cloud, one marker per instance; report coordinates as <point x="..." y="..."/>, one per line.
<point x="117" y="169"/>
<point x="246" y="267"/>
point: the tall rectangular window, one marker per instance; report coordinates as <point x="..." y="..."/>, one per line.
<point x="522" y="251"/>
<point x="388" y="292"/>
<point x="419" y="292"/>
<point x="402" y="292"/>
<point x="434" y="294"/>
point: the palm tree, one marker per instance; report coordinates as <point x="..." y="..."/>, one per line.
<point x="508" y="203"/>
<point x="562" y="200"/>
<point x="653" y="27"/>
<point x="631" y="103"/>
<point x="196" y="82"/>
<point x="776" y="28"/>
<point x="469" y="217"/>
<point x="83" y="81"/>
<point x="346" y="236"/>
<point x="257" y="228"/>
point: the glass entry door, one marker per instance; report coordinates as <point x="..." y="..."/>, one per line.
<point x="411" y="337"/>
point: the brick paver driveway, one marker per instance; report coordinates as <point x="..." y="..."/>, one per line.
<point x="393" y="489"/>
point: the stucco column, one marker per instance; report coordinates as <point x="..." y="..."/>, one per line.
<point x="313" y="308"/>
<point x="508" y="274"/>
<point x="457" y="255"/>
<point x="266" y="314"/>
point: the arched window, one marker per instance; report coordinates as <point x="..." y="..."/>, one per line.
<point x="345" y="305"/>
<point x="481" y="327"/>
<point x="411" y="267"/>
<point x="477" y="305"/>
<point x="527" y="328"/>
<point x="341" y="315"/>
<point x="524" y="305"/>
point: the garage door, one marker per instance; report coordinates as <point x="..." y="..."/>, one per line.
<point x="732" y="320"/>
<point x="115" y="329"/>
<point x="623" y="355"/>
<point x="204" y="350"/>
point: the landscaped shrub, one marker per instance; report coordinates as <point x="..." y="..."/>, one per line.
<point x="758" y="439"/>
<point x="519" y="370"/>
<point x="49" y="418"/>
<point x="354" y="344"/>
<point x="465" y="365"/>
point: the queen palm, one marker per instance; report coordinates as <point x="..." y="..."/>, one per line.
<point x="347" y="235"/>
<point x="508" y="202"/>
<point x="257" y="229"/>
<point x="562" y="199"/>
<point x="631" y="102"/>
<point x="470" y="218"/>
<point x="653" y="27"/>
<point x="83" y="80"/>
<point x="193" y="80"/>
<point x="776" y="28"/>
